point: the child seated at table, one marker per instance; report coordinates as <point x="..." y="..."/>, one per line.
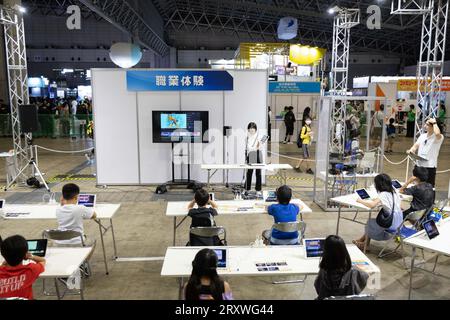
<point x="337" y="276"/>
<point x="16" y="278"/>
<point x="205" y="283"/>
<point x="202" y="216"/>
<point x="283" y="211"/>
<point x="70" y="214"/>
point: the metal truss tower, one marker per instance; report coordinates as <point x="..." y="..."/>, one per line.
<point x="344" y="20"/>
<point x="16" y="64"/>
<point x="432" y="51"/>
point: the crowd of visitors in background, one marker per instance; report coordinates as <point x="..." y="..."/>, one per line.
<point x="57" y="117"/>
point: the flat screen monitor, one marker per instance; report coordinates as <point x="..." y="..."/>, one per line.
<point x="180" y="126"/>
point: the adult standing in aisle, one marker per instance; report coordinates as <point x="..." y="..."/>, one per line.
<point x="282" y="114"/>
<point x="378" y="125"/>
<point x="289" y="121"/>
<point x="253" y="155"/>
<point x="411" y="121"/>
<point x="428" y="146"/>
<point x="269" y="123"/>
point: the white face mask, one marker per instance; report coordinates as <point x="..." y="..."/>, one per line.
<point x="308" y="122"/>
<point x="252" y="131"/>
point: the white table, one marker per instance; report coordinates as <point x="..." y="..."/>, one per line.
<point x="63" y="263"/>
<point x="439" y="244"/>
<point x="242" y="259"/>
<point x="279" y="167"/>
<point x="350" y="200"/>
<point x="228" y="207"/>
<point x="48" y="212"/>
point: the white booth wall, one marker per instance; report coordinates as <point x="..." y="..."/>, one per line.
<point x="125" y="152"/>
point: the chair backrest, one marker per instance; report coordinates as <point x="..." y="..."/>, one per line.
<point x="353" y="297"/>
<point x="293" y="226"/>
<point x="207" y="236"/>
<point x="208" y="232"/>
<point x="368" y="162"/>
<point x="60" y="235"/>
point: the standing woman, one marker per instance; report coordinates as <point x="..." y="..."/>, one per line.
<point x="389" y="200"/>
<point x="253" y="155"/>
<point x="205" y="283"/>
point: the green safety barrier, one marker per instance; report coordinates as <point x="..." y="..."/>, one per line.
<point x="52" y="126"/>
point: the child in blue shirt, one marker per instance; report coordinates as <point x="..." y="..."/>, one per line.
<point x="283" y="211"/>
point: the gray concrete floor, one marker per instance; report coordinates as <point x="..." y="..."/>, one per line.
<point x="142" y="229"/>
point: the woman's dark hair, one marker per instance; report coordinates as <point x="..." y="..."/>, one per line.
<point x="335" y="255"/>
<point x="420" y="173"/>
<point x="284" y="194"/>
<point x="252" y="125"/>
<point x="14" y="250"/>
<point x="383" y="183"/>
<point x="391" y="120"/>
<point x="443" y="107"/>
<point x="204" y="265"/>
<point x="382" y="107"/>
<point x="412" y="106"/>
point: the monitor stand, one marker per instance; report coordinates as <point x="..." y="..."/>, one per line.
<point x="180" y="183"/>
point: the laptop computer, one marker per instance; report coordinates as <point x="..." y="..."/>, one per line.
<point x="313" y="247"/>
<point x="87" y="200"/>
<point x="37" y="247"/>
<point x="221" y="258"/>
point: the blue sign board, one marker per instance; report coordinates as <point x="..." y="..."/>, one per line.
<point x="294" y="87"/>
<point x="179" y="80"/>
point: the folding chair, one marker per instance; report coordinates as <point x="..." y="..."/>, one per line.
<point x="85" y="269"/>
<point x="207" y="236"/>
<point x="299" y="226"/>
<point x="353" y="297"/>
<point x="403" y="232"/>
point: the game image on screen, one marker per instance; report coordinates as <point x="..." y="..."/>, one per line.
<point x="173" y="121"/>
<point x="314" y="247"/>
<point x="177" y="126"/>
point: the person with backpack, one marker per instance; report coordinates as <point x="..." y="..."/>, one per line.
<point x="304" y="142"/>
<point x="289" y="121"/>
<point x="390" y="216"/>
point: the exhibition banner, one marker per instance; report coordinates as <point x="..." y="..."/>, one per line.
<point x="179" y="80"/>
<point x="294" y="87"/>
<point x="411" y="85"/>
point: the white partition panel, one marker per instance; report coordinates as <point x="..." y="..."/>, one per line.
<point x="246" y="103"/>
<point x="116" y="136"/>
<point x="213" y="103"/>
<point x="155" y="158"/>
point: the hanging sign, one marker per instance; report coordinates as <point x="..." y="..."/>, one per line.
<point x="179" y="80"/>
<point x="294" y="87"/>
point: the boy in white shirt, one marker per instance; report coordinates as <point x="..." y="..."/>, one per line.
<point x="70" y="215"/>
